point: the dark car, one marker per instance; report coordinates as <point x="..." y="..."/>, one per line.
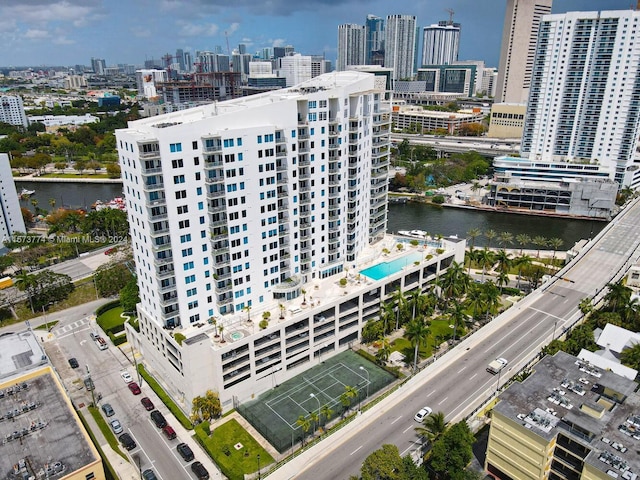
<point x="88" y="383"/>
<point x="108" y="410"/>
<point x="169" y="432"/>
<point x="158" y="419"/>
<point x="185" y="452"/>
<point x="73" y="363"/>
<point x="147" y="403"/>
<point x="200" y="471"/>
<point x="149" y="475"/>
<point x="135" y="389"/>
<point x="127" y="442"/>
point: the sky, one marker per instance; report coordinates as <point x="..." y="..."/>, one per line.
<point x="70" y="32"/>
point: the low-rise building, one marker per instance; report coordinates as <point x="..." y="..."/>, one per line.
<point x="411" y="116"/>
<point x="41" y="434"/>
<point x="507" y="120"/>
<point x="567" y="420"/>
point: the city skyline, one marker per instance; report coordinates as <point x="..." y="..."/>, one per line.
<point x="52" y="33"/>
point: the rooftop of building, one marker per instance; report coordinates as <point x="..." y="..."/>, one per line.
<point x="321" y="82"/>
<point x="419" y="111"/>
<point x="40" y="432"/>
<point x="595" y="407"/>
<point x="323" y="292"/>
<point x="20" y="353"/>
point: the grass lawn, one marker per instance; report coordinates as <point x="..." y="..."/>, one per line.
<point x="438" y="328"/>
<point x="106" y="431"/>
<point x="111" y="318"/>
<point x="234" y="463"/>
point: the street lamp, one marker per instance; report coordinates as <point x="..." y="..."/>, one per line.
<point x="258" y="466"/>
<point x="317" y="400"/>
<point x="367" y="372"/>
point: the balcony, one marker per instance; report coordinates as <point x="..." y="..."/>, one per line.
<point x="213" y="161"/>
<point x="165" y="271"/>
<point x="224" y="288"/>
<point x="304" y="161"/>
<point x="215" y="194"/>
<point x="152" y="187"/>
<point x="161" y="230"/>
<point x="151" y="171"/>
<point x="161" y="247"/>
<point x="167" y="288"/>
<point x="212" y="147"/>
<point x="214" y="180"/>
<point x="170" y="299"/>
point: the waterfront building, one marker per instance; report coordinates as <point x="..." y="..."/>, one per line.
<point x="519" y="37"/>
<point x="351" y="46"/>
<point x="567" y="419"/>
<point x="440" y="43"/>
<point x="260" y="205"/>
<point x="401" y="45"/>
<point x="12" y="111"/>
<point x="375" y="40"/>
<point x="11" y="221"/>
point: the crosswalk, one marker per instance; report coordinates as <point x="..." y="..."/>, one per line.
<point x="72" y="328"/>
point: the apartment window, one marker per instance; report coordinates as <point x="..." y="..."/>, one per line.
<point x="187" y="252"/>
<point x="196" y="161"/>
<point x="200" y="205"/>
<point x="189" y="279"/>
<point x="228" y="142"/>
<point x="183" y="209"/>
<point x="198" y="176"/>
<point x="185" y="238"/>
<point x="199" y="191"/>
<point x="187" y="266"/>
<point x="193" y="305"/>
<point x="181" y="194"/>
<point x="175" y="147"/>
<point x="194" y="145"/>
<point x="177" y="179"/>
<point x="240" y="157"/>
<point x="259" y="138"/>
<point x="183" y="224"/>
<point x="191" y="292"/>
<point x="177" y="163"/>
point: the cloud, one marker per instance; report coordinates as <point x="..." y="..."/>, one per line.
<point x="277" y="42"/>
<point x="42" y="12"/>
<point x="188" y="29"/>
<point x="278" y="7"/>
<point x="34" y="34"/>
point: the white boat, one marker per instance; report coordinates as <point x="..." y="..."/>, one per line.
<point x="413" y="233"/>
<point x="26" y="192"/>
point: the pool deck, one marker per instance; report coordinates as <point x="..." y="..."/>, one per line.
<point x="319" y="292"/>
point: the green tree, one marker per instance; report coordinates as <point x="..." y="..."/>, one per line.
<point x="523" y="240"/>
<point x="305" y="424"/>
<point x="326" y="413"/>
<point x="521" y="262"/>
<point x="383" y="464"/>
<point x="111" y="278"/>
<point x="490" y="235"/>
<point x="416" y="332"/>
<point x="382" y="355"/>
<point x="207" y="407"/>
<point x="26" y="282"/>
<point x="452" y="452"/>
<point x="630" y="357"/>
<point x="372" y="330"/>
<point x="485" y="259"/>
<point x="491" y="295"/>
<point x="617" y="296"/>
<point x="504" y="261"/>
<point x="555" y="243"/>
<point x="50" y="287"/>
<point x="113" y="170"/>
<point x="540" y="242"/>
<point x="130" y="295"/>
<point x="433" y="426"/>
<point x="505" y="239"/>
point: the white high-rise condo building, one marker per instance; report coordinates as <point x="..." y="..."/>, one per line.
<point x="11" y="220"/>
<point x="440" y="43"/>
<point x="375" y="38"/>
<point x="352" y="41"/>
<point x="240" y="206"/>
<point x="584" y="103"/>
<point x="295" y="68"/>
<point x="519" y="37"/>
<point x="400" y="45"/>
<point x="12" y="111"/>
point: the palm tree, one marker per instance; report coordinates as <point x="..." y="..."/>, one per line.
<point x="416" y="332"/>
<point x="433" y="426"/>
<point x="382" y="355"/>
<point x="25" y="282"/>
<point x="314" y="417"/>
<point x="491" y="298"/>
<point x="455" y="282"/>
<point x="304" y="423"/>
<point x="490" y="235"/>
<point x="486" y="259"/>
<point x="521" y="262"/>
<point x="586" y="305"/>
<point x="504" y="260"/>
<point x="247" y="308"/>
<point x="617" y="296"/>
<point x="326" y="412"/>
<point x="630" y="357"/>
<point x="539" y="241"/>
<point x="399" y="301"/>
<point x="475" y="301"/>
<point x="345" y="398"/>
<point x="458" y="315"/>
<point x="52" y="203"/>
<point x="282" y="309"/>
<point x="214" y="321"/>
<point x="555" y="243"/>
<point x="387" y="314"/>
<point x="417" y="301"/>
<point x="523" y="239"/>
<point x="502" y="280"/>
<point x="505" y="238"/>
<point x="470" y="255"/>
<point x="473" y="234"/>
<point x="220" y="330"/>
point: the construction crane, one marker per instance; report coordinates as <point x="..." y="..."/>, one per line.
<point x="451" y="12"/>
<point x="226" y="35"/>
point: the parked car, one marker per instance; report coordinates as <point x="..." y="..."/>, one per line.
<point x="126" y="376"/>
<point x="147" y="403"/>
<point x="135" y="389"/>
<point x="73" y="363"/>
<point x="424" y="412"/>
<point x="200" y="471"/>
<point x="108" y="410"/>
<point x="169" y="432"/>
<point x="93" y="336"/>
<point x="116" y="426"/>
<point x="127" y="442"/>
<point x="158" y="419"/>
<point x="149" y="475"/>
<point x="88" y="383"/>
<point x="185" y="452"/>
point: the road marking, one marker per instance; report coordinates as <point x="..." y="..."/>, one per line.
<point x="413" y="445"/>
<point x="356" y="450"/>
<point x="473" y="376"/>
<point x="431" y="393"/>
<point x="396" y="420"/>
<point x="443" y="400"/>
<point x="461" y="369"/>
<point x="407" y="429"/>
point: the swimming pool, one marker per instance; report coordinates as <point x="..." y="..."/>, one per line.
<point x="384" y="269"/>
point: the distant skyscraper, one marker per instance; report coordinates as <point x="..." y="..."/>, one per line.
<point x="375" y="38"/>
<point x="214" y="62"/>
<point x="400" y="45"/>
<point x="583" y="107"/>
<point x="351" y="45"/>
<point x="519" y="37"/>
<point x="180" y="59"/>
<point x="98" y="65"/>
<point x="11" y="221"/>
<point x="278" y="52"/>
<point x="441" y="43"/>
<point x="188" y="62"/>
<point x="12" y="111"/>
<point x="295" y="68"/>
<point x="242" y="48"/>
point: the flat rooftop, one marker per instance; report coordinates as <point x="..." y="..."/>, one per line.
<point x="39" y="430"/>
<point x="595" y="407"/>
<point x="20" y="352"/>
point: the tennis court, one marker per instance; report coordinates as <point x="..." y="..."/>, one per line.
<point x="274" y="413"/>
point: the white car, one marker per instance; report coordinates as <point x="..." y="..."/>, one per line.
<point x="116" y="426"/>
<point x="126" y="377"/>
<point x="503" y="361"/>
<point x="424" y="412"/>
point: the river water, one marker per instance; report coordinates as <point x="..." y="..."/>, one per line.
<point x="409" y="216"/>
